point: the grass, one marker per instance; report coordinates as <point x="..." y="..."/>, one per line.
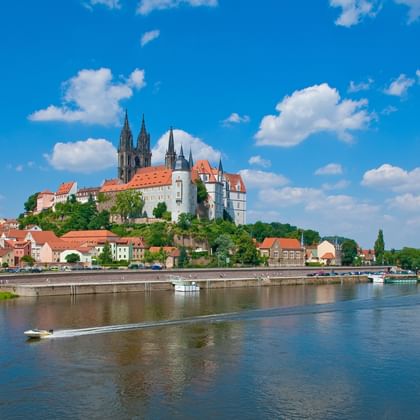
<point x="7" y="295"/>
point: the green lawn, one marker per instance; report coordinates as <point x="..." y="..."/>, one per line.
<point x="7" y="295"/>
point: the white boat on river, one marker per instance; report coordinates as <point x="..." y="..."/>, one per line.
<point x="182" y="285"/>
<point x="36" y="333"/>
<point x="377" y="278"/>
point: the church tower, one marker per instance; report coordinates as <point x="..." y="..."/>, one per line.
<point x="125" y="152"/>
<point x="170" y="157"/>
<point x="143" y="158"/>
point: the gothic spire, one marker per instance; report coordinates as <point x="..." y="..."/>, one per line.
<point x="181" y="152"/>
<point x="190" y="159"/>
<point x="126" y="137"/>
<point x="170" y="156"/>
<point x="220" y="166"/>
<point x="142" y="139"/>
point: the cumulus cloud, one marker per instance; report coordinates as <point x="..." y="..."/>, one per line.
<point x="357" y="87"/>
<point x="354" y="11"/>
<point x="86" y="156"/>
<point x="235" y="118"/>
<point x="259" y="161"/>
<point x="393" y="178"/>
<point x="149" y="37"/>
<point x="414" y="9"/>
<point x="389" y="110"/>
<point x="399" y="86"/>
<point x="199" y="148"/>
<point x="92" y="97"/>
<point x="147" y="6"/>
<point x="330" y="169"/>
<point x="111" y="4"/>
<point x="262" y="179"/>
<point x="406" y="202"/>
<point x="309" y="111"/>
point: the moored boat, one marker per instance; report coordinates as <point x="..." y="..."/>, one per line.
<point x="182" y="285"/>
<point x="36" y="333"/>
<point x="377" y="278"/>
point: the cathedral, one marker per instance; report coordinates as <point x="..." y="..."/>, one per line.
<point x="174" y="182"/>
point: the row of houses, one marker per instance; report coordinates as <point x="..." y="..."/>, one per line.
<point x="286" y="252"/>
<point x="46" y="248"/>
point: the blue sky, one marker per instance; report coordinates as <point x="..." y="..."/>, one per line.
<point x="315" y="102"/>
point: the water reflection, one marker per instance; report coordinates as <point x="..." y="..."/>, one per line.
<point x="293" y="363"/>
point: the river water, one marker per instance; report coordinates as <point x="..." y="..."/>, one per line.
<point x="315" y="352"/>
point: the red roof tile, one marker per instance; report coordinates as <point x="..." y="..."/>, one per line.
<point x="40" y="237"/>
<point x="285" y="243"/>
<point x="204" y="167"/>
<point x="234" y="181"/>
<point x="65" y="188"/>
<point x="328" y="256"/>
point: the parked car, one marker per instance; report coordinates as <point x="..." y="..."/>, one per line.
<point x="156" y="267"/>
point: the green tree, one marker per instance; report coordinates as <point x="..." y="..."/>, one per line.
<point x="184" y="221"/>
<point x="348" y="252"/>
<point x="128" y="204"/>
<point x="5" y="265"/>
<point x="311" y="237"/>
<point x="379" y="247"/>
<point x="246" y="252"/>
<point x="202" y="193"/>
<point x="30" y="203"/>
<point x="28" y="259"/>
<point x="157" y="234"/>
<point x="105" y="257"/>
<point x="183" y="258"/>
<point x="160" y="210"/>
<point x="223" y="245"/>
<point x="73" y="258"/>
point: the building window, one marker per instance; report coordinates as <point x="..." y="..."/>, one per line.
<point x="285" y="254"/>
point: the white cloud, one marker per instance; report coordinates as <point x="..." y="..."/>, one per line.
<point x="353" y="11"/>
<point x="147" y="6"/>
<point x="235" y="118"/>
<point x="262" y="179"/>
<point x="357" y="87"/>
<point x="399" y="86"/>
<point x="149" y="37"/>
<point x="339" y="185"/>
<point x="414" y="9"/>
<point x="330" y="169"/>
<point x="199" y="148"/>
<point x="111" y="4"/>
<point x="418" y="75"/>
<point x="393" y="178"/>
<point x="406" y="202"/>
<point x="389" y="110"/>
<point x="88" y="156"/>
<point x="309" y="111"/>
<point x="92" y="97"/>
<point x="259" y="161"/>
<point x="19" y="168"/>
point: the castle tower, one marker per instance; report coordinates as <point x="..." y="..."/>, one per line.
<point x="220" y="172"/>
<point x="170" y="156"/>
<point x="125" y="152"/>
<point x="184" y="192"/>
<point x="143" y="155"/>
<point x="190" y="160"/>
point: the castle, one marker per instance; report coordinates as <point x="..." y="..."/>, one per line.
<point x="173" y="183"/>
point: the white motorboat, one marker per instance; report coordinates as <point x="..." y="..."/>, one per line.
<point x="36" y="333"/>
<point x="182" y="285"/>
<point x="377" y="278"/>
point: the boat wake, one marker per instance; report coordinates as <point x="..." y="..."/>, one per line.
<point x="250" y="315"/>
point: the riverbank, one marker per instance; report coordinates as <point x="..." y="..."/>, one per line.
<point x="73" y="288"/>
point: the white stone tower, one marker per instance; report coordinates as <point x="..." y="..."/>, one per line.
<point x="184" y="192"/>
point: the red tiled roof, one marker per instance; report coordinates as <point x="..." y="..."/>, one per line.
<point x="285" y="243"/>
<point x="234" y="180"/>
<point x="108" y="182"/>
<point x="46" y="192"/>
<point x="65" y="188"/>
<point x="17" y="234"/>
<point x="85" y="234"/>
<point x="137" y="242"/>
<point x="170" y="250"/>
<point x="328" y="256"/>
<point x="267" y="243"/>
<point x="204" y="167"/>
<point x="40" y="237"/>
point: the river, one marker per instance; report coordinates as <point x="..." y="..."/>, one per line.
<point x="312" y="352"/>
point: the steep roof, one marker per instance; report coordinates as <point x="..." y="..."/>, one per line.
<point x="267" y="243"/>
<point x="5" y="251"/>
<point x="328" y="256"/>
<point x="137" y="242"/>
<point x="234" y="180"/>
<point x="40" y="237"/>
<point x="17" y="234"/>
<point x="203" y="167"/>
<point x="65" y="188"/>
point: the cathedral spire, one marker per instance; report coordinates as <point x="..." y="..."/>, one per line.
<point x="190" y="160"/>
<point x="143" y="157"/>
<point x="126" y="137"/>
<point x="220" y="171"/>
<point x="170" y="156"/>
